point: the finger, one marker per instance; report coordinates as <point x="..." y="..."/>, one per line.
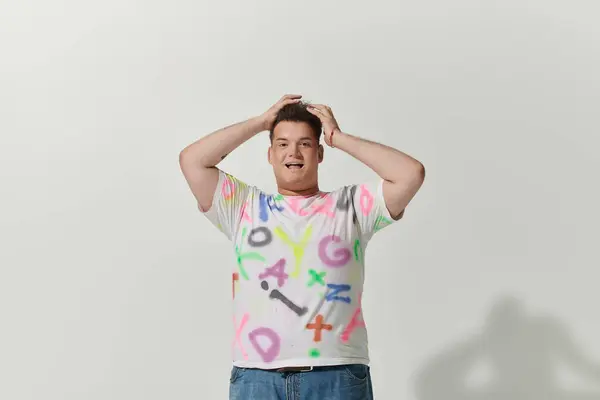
<point x="315" y="112"/>
<point x="290" y="101"/>
<point x="321" y="109"/>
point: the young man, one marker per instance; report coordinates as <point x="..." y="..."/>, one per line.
<point x="298" y="279"/>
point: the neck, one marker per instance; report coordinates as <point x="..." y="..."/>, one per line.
<point x="305" y="192"/>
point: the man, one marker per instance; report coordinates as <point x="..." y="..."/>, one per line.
<point x="298" y="279"/>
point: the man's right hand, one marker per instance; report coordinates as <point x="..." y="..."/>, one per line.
<point x="269" y="116"/>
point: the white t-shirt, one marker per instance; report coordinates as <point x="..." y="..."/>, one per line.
<point x="298" y="273"/>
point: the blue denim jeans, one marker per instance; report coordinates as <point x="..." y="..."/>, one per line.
<point x="339" y="382"/>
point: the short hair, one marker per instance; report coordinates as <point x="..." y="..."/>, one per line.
<point x="297" y="112"/>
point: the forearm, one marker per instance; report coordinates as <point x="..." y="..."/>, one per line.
<point x="211" y="149"/>
<point x="389" y="163"/>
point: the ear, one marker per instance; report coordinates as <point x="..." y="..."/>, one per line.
<point x="321" y="152"/>
<point x="269" y="155"/>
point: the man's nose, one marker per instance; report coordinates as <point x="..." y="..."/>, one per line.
<point x="295" y="149"/>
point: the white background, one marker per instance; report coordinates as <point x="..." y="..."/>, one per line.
<point x="114" y="287"/>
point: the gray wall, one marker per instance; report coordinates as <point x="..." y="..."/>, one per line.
<point x="114" y="287"/>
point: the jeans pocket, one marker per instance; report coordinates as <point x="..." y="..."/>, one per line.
<point x="357" y="372"/>
<point x="235" y="373"/>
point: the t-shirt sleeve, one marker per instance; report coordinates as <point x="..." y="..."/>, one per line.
<point x="370" y="212"/>
<point x="229" y="198"/>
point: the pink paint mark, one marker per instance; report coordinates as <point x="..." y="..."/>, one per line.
<point x="295" y="206"/>
<point x="272" y="351"/>
<point x="235" y="277"/>
<point x="325" y="207"/>
<point x="238" y="335"/>
<point x="342" y="255"/>
<point x="277" y="270"/>
<point x="366" y="200"/>
<point x="227" y="189"/>
<point x="245" y="215"/>
<point x="354" y="322"/>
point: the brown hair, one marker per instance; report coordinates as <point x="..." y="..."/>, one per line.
<point x="297" y="112"/>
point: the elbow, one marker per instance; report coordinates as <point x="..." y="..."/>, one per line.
<point x="420" y="175"/>
<point x="184" y="157"/>
<point x="416" y="174"/>
<point x="420" y="171"/>
<point x="191" y="156"/>
<point x="410" y="175"/>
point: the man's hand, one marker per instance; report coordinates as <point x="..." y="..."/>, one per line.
<point x="269" y="116"/>
<point x="327" y="119"/>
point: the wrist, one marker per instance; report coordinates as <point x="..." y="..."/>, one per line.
<point x="335" y="131"/>
<point x="261" y="122"/>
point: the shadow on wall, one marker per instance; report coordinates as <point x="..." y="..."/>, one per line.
<point x="522" y="356"/>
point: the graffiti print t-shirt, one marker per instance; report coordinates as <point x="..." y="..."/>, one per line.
<point x="298" y="271"/>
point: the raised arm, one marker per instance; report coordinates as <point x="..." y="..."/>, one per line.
<point x="402" y="174"/>
<point x="198" y="160"/>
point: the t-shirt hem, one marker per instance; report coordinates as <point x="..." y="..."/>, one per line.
<point x="301" y="362"/>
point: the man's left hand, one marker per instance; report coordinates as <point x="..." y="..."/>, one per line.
<point x="327" y="119"/>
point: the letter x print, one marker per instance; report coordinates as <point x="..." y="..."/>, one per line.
<point x="316" y="277"/>
<point x="238" y="334"/>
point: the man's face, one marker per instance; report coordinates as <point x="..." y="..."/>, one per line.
<point x="295" y="155"/>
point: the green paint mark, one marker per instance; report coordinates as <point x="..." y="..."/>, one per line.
<point x="380" y="223"/>
<point x="357" y="249"/>
<point x="316" y="277"/>
<point x="314" y="353"/>
<point x="245" y="256"/>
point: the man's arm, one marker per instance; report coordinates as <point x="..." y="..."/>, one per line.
<point x="198" y="160"/>
<point x="402" y="174"/>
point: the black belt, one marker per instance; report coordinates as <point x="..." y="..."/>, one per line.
<point x="294" y="369"/>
